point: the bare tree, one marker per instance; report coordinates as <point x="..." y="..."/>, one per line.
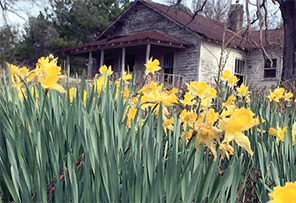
<point x="20" y="8"/>
<point x="214" y="9"/>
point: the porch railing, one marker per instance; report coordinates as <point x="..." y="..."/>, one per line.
<point x="174" y="80"/>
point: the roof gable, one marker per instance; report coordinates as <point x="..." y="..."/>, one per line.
<point x="137" y="6"/>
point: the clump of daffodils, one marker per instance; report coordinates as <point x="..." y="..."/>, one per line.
<point x="46" y="72"/>
<point x="200" y="120"/>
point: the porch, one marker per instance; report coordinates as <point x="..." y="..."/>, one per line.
<point x="130" y="53"/>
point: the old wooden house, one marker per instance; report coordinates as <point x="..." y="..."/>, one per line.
<point x="188" y="47"/>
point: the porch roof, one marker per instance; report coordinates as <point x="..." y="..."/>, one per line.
<point x="152" y="37"/>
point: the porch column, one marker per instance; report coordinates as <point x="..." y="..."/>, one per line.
<point x="102" y="58"/>
<point x="147" y="52"/>
<point x="122" y="59"/>
<point x="68" y="64"/>
<point x="90" y="65"/>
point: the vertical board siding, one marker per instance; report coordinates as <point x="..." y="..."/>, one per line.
<point x="210" y="57"/>
<point x="255" y="68"/>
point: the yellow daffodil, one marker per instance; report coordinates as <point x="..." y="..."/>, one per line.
<point x="226" y="150"/>
<point x="288" y="96"/>
<point x="226" y="112"/>
<point x="188" y="137"/>
<point x="293" y="132"/>
<point x="149" y="88"/>
<point x="21" y="91"/>
<point x="131" y="115"/>
<point x="34" y="92"/>
<point x="242" y="90"/>
<point x="50" y="82"/>
<point x="232" y="81"/>
<point x="271" y="96"/>
<point x="188" y="100"/>
<point x="152" y="66"/>
<point x="286" y="194"/>
<point x="103" y="70"/>
<point x="206" y="132"/>
<point x="99" y="83"/>
<point x="226" y="75"/>
<point x="205" y="103"/>
<point x="126" y="76"/>
<point x="168" y="124"/>
<point x="18" y="74"/>
<point x="277" y="94"/>
<point x="47" y="66"/>
<point x="229" y="102"/>
<point x="202" y="90"/>
<point x="187" y="118"/>
<point x="241" y="120"/>
<point x="279" y="133"/>
<point x="72" y="94"/>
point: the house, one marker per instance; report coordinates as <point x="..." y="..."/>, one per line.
<point x="188" y="48"/>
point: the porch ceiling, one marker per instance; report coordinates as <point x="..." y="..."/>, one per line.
<point x="137" y="39"/>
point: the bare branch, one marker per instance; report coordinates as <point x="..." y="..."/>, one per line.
<point x="196" y="12"/>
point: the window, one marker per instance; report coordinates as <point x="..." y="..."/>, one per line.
<point x="270" y="68"/>
<point x="239" y="71"/>
<point x="168" y="66"/>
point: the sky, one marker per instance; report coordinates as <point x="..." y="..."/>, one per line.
<point x="25" y="9"/>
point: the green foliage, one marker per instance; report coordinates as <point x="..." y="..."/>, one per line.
<point x="9" y="44"/>
<point x="83" y="20"/>
<point x="57" y="151"/>
<point x="40" y="143"/>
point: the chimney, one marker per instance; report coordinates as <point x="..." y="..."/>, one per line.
<point x="235" y="17"/>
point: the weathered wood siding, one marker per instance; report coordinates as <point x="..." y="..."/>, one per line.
<point x="209" y="60"/>
<point x="255" y="67"/>
<point x="141" y="18"/>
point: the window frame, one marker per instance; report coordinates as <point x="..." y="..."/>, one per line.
<point x="240" y="70"/>
<point x="267" y="67"/>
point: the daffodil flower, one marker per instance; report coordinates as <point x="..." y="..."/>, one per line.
<point x="241" y="120"/>
<point x="206" y="132"/>
<point x="226" y="75"/>
<point x="103" y="70"/>
<point x="232" y="81"/>
<point x="50" y="82"/>
<point x="152" y="66"/>
<point x="188" y="100"/>
<point x="279" y="133"/>
<point x="284" y="194"/>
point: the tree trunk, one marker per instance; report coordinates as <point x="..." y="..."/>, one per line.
<point x="288" y="10"/>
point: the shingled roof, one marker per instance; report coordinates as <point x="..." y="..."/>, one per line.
<point x="213" y="29"/>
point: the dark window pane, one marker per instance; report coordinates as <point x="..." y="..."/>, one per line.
<point x="270" y="73"/>
<point x="168" y="66"/>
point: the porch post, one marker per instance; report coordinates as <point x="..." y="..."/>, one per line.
<point x="90" y="65"/>
<point x="122" y="60"/>
<point x="68" y="64"/>
<point x="102" y="58"/>
<point x="147" y="52"/>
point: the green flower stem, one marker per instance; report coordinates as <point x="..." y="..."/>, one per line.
<point x="187" y="165"/>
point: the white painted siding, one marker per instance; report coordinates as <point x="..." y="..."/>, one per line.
<point x="255" y="67"/>
<point x="209" y="60"/>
